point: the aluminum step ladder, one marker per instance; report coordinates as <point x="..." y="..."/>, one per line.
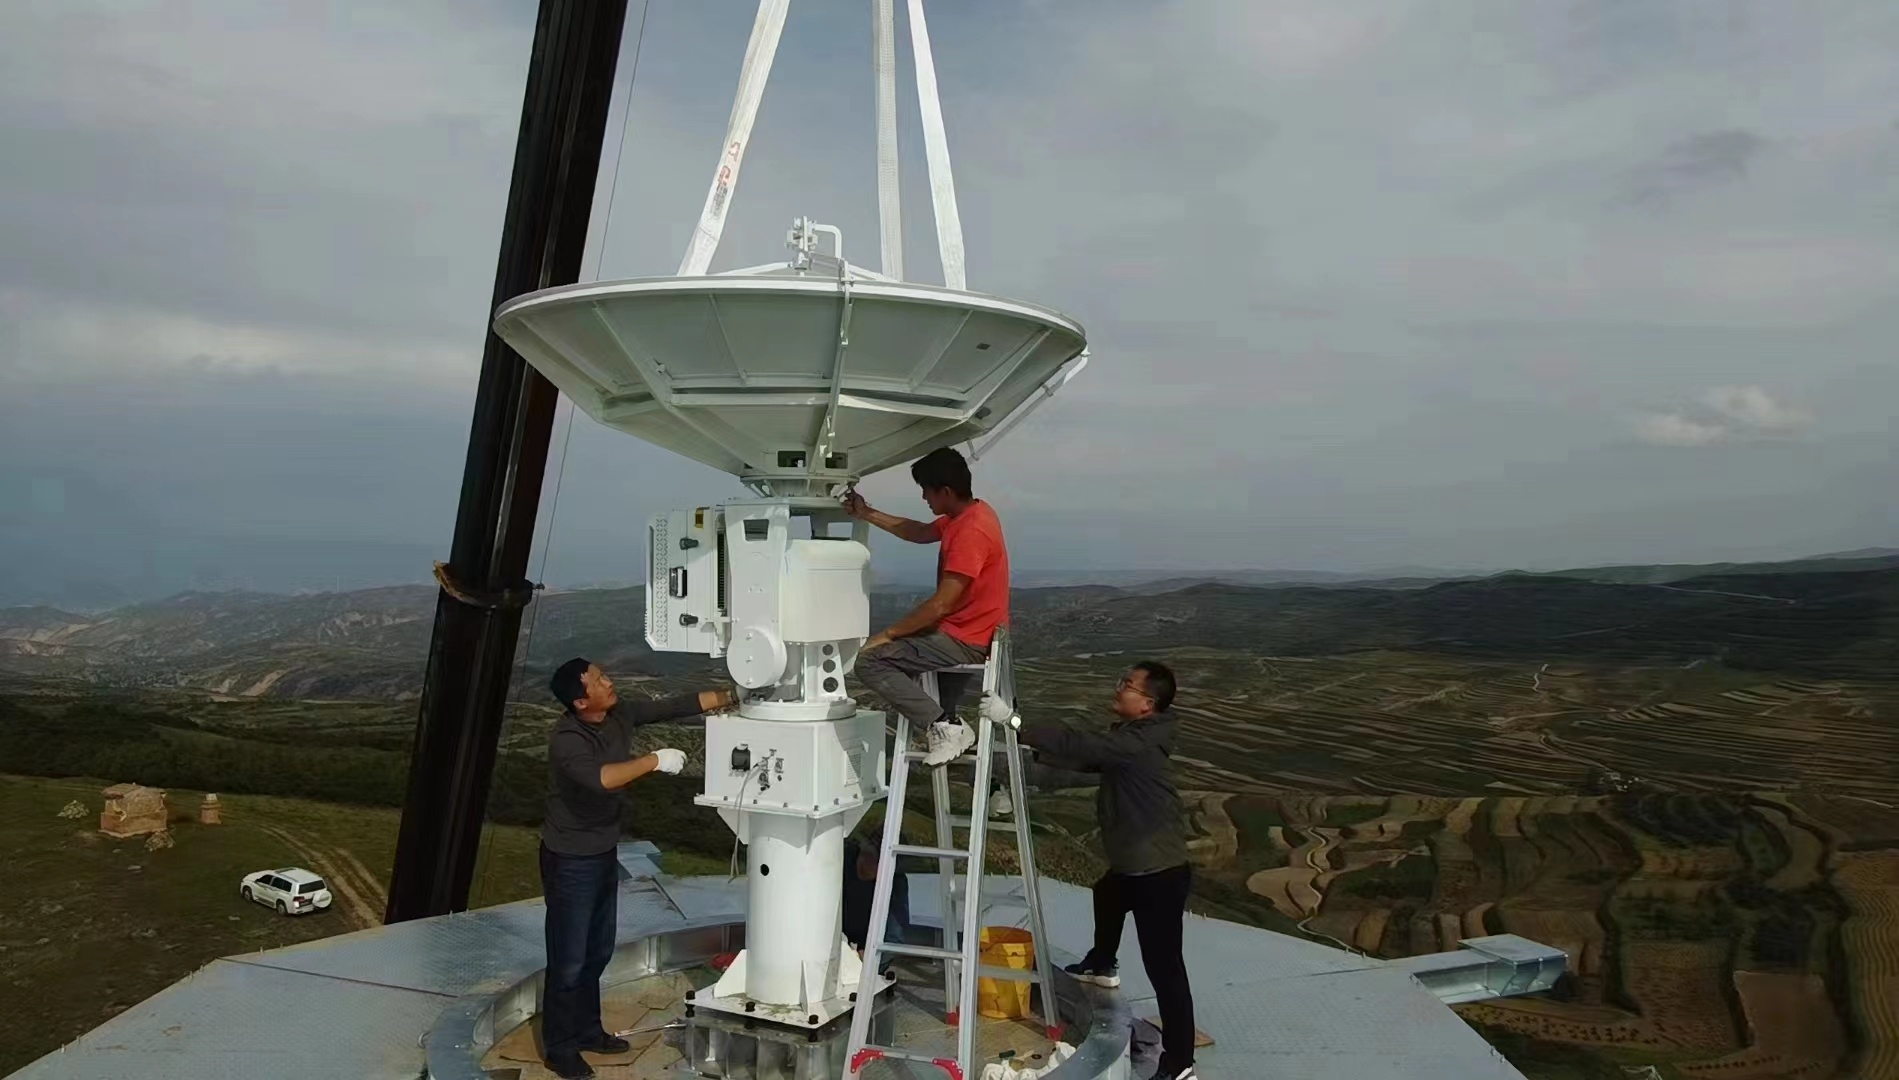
<point x="961" y="951"/>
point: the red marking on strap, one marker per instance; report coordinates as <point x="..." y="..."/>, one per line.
<point x="1055" y="1031"/>
<point x="864" y="1057"/>
<point x="951" y="1018"/>
<point x="723" y="960"/>
<point x="949" y="1066"/>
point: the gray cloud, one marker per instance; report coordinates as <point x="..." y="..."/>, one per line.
<point x="1725" y="413"/>
<point x="1704" y="160"/>
<point x="1679" y="429"/>
<point x="1359" y="285"/>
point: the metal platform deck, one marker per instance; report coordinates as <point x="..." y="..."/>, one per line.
<point x="398" y="1002"/>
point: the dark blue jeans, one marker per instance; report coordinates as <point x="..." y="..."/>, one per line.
<point x="582" y="902"/>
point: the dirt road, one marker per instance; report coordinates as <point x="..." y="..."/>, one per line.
<point x="358" y="894"/>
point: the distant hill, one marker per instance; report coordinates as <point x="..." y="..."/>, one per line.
<point x="1864" y="559"/>
<point x="1819" y="623"/>
<point x="27" y="623"/>
<point x="373" y="643"/>
<point x="1169" y="580"/>
<point x="1411" y="577"/>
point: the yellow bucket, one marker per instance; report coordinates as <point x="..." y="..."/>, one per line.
<point x="1006" y="947"/>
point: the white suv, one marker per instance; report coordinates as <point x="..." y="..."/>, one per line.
<point x="292" y="891"/>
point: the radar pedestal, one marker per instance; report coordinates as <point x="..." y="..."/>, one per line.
<point x="800" y="764"/>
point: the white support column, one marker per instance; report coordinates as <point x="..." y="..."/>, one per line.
<point x="759" y="53"/>
<point x="794" y="875"/>
<point x="949" y="226"/>
<point x="889" y="197"/>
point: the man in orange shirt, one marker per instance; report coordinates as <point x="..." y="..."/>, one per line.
<point x="958" y="621"/>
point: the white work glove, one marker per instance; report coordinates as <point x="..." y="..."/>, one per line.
<point x="670" y="761"/>
<point x="997" y="711"/>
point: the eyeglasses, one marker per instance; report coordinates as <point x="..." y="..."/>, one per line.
<point x="1127" y="683"/>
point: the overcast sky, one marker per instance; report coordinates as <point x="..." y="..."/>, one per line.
<point x="1456" y="283"/>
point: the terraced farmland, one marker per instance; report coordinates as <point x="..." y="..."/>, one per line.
<point x="1869" y="880"/>
<point x="1796" y="1034"/>
<point x="1384" y="722"/>
<point x="1723" y="935"/>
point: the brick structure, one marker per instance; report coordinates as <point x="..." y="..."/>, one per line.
<point x="210" y="812"/>
<point x="133" y="810"/>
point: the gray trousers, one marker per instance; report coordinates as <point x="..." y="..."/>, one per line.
<point x="891" y="670"/>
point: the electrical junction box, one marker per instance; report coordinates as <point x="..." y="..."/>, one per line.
<point x="808" y="769"/>
<point x="685" y="582"/>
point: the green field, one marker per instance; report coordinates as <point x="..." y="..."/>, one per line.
<point x="90" y="925"/>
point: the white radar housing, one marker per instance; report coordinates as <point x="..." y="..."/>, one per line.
<point x="786" y="611"/>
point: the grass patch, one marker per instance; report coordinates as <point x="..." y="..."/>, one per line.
<point x="1254" y="816"/>
<point x="90" y="925"/>
<point x="1338" y="817"/>
<point x="1682" y="819"/>
<point x="1540" y="1059"/>
<point x="1411" y="878"/>
<point x="93" y="925"/>
<point x="1594" y="875"/>
<point x="1784" y="927"/>
<point x="1254" y="819"/>
<point x="1763" y="845"/>
<point x="1707" y="918"/>
<point x="110" y="737"/>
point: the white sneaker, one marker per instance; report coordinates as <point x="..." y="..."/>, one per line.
<point x="947" y="740"/>
<point x="1001" y="804"/>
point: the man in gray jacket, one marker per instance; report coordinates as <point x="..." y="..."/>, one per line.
<point x="1143" y="830"/>
<point x="591" y="764"/>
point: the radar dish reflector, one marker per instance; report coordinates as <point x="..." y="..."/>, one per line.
<point x="793" y="383"/>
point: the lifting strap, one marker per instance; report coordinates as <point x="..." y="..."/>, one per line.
<point x="759" y="53"/>
<point x="936" y="155"/>
<point x="889" y="200"/>
<point x="513" y="598"/>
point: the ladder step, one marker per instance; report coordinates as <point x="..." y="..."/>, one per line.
<point x="962" y="822"/>
<point x="871" y="1050"/>
<point x="929" y="852"/>
<point x="960" y="759"/>
<point x="924" y="952"/>
<point x="987" y="971"/>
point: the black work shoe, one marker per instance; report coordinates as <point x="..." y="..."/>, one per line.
<point x="570" y="1067"/>
<point x="608" y="1044"/>
<point x="1097" y="973"/>
<point x="1172" y="1072"/>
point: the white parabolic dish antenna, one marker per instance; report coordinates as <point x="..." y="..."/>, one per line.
<point x="801" y="377"/>
<point x="793" y="381"/>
